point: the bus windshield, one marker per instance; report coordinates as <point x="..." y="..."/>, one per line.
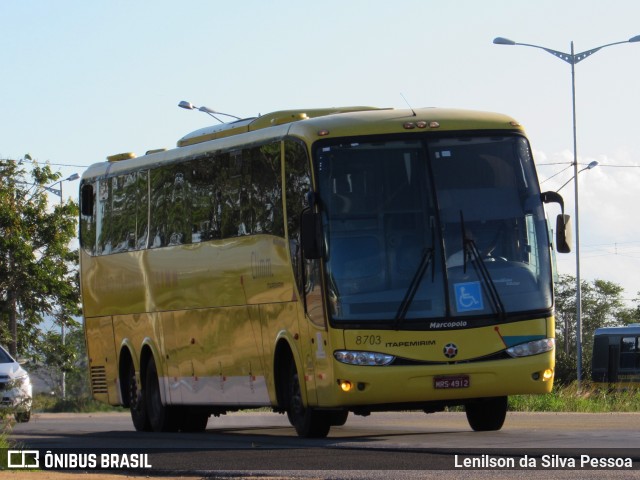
<point x="419" y="230"/>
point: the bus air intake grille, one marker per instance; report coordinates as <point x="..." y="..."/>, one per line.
<point x="494" y="356"/>
<point x="99" y="379"/>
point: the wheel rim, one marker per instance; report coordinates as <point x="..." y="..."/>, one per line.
<point x="134" y="397"/>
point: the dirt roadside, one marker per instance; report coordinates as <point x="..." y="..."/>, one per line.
<point x="49" y="475"/>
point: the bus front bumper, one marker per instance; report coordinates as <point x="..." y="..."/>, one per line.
<point x="375" y="385"/>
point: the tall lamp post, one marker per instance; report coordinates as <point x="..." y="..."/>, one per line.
<point x="593" y="164"/>
<point x="58" y="192"/>
<point x="566" y="325"/>
<point x="572" y="59"/>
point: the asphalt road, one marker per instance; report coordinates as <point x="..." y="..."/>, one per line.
<point x="409" y="444"/>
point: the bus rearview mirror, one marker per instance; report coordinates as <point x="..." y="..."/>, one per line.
<point x="564" y="235"/>
<point x="311" y="234"/>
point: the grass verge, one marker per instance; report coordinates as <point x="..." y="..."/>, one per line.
<point x="588" y="399"/>
<point x="47" y="403"/>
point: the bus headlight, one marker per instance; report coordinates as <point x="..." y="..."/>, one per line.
<point x="352" y="357"/>
<point x="532" y="348"/>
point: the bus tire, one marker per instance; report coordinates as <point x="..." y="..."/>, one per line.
<point x="307" y="421"/>
<point x="193" y="421"/>
<point x="137" y="403"/>
<point x="487" y="414"/>
<point x="337" y="419"/>
<point x="162" y="418"/>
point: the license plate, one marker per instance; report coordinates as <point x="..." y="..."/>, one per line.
<point x="451" y="381"/>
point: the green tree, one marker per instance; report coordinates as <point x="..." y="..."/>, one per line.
<point x="69" y="357"/>
<point x="602" y="306"/>
<point x="38" y="271"/>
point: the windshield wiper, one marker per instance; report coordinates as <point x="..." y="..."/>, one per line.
<point x="427" y="257"/>
<point x="469" y="247"/>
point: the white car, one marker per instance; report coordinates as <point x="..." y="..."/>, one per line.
<point x="15" y="387"/>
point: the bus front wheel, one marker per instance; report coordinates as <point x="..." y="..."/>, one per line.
<point x="487" y="414"/>
<point x="307" y="421"/>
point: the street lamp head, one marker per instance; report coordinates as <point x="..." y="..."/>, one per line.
<point x="635" y="39"/>
<point x="190" y="106"/>
<point x="503" y="41"/>
<point x="71" y="178"/>
<point x="588" y="167"/>
<point x="186" y="105"/>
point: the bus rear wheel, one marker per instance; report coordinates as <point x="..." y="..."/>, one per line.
<point x="137" y="404"/>
<point x="192" y="421"/>
<point x="487" y="414"/>
<point x="307" y="421"/>
<point x="162" y="418"/>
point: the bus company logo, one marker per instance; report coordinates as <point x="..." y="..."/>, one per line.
<point x="457" y="324"/>
<point x="260" y="266"/>
<point x="450" y="350"/>
<point x="23" y="458"/>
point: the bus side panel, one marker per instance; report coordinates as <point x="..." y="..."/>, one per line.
<point x="114" y="284"/>
<point x="103" y="365"/>
<point x="214" y="357"/>
<point x="280" y="321"/>
<point x="133" y="332"/>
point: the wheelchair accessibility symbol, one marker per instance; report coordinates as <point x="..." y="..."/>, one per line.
<point x="468" y="296"/>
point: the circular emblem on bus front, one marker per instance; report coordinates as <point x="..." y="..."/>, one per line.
<point x="450" y="350"/>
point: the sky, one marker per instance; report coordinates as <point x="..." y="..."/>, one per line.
<point x="82" y="80"/>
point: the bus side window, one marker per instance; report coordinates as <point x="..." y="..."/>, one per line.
<point x="629" y="353"/>
<point x="265" y="192"/>
<point x="170" y="212"/>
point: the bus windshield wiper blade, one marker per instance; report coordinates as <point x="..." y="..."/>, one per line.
<point x="482" y="271"/>
<point x="469" y="247"/>
<point x="427" y="257"/>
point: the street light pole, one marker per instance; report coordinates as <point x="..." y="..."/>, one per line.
<point x="58" y="192"/>
<point x="573" y="58"/>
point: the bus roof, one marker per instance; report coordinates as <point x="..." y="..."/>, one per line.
<point x="263" y="121"/>
<point x="631" y="329"/>
<point x="310" y="124"/>
<point x="347" y="120"/>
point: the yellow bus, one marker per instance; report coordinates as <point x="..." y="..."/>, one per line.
<point x="320" y="262"/>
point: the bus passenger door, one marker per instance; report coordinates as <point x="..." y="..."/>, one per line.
<point x="308" y="297"/>
<point x="313" y="329"/>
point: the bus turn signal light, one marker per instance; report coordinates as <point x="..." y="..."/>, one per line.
<point x="345" y="385"/>
<point x="545" y="376"/>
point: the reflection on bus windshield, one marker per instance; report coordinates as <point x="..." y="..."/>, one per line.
<point x="385" y="203"/>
